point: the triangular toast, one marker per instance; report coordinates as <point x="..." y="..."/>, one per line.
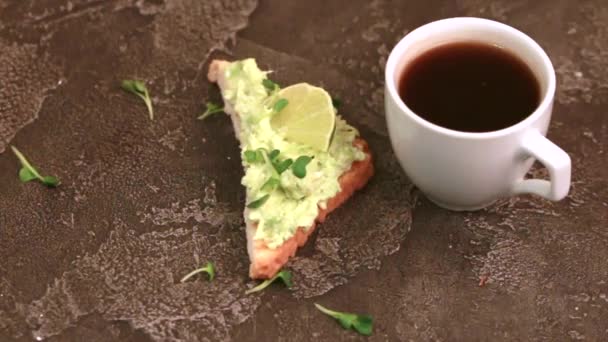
<point x="266" y="261"/>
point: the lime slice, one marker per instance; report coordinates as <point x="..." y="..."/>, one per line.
<point x="309" y="117"/>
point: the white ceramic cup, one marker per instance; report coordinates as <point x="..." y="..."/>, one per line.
<point x="468" y="171"/>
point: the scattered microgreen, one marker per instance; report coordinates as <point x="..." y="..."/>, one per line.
<point x="50" y="181"/>
<point x="270" y="85"/>
<point x="285" y="276"/>
<point x="258" y="202"/>
<point x="209" y="269"/>
<point x="363" y="324"/>
<point x="280" y="105"/>
<point x="139" y="88"/>
<point x="212" y="108"/>
<point x="271" y="184"/>
<point x="299" y="166"/>
<point x="29" y="173"/>
<point x="25" y="175"/>
<point x="336" y="102"/>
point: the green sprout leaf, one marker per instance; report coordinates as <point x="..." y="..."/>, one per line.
<point x="278" y="165"/>
<point x="258" y="202"/>
<point x="28" y="173"/>
<point x="270" y="162"/>
<point x="270" y="85"/>
<point x="212" y="108"/>
<point x="299" y="166"/>
<point x="363" y="324"/>
<point x="273" y="154"/>
<point x="271" y="184"/>
<point x="209" y="269"/>
<point x="283" y="165"/>
<point x="280" y="105"/>
<point x="250" y="156"/>
<point x="336" y="102"/>
<point x="285" y="276"/>
<point x="50" y="181"/>
<point x="253" y="157"/>
<point x="139" y="88"/>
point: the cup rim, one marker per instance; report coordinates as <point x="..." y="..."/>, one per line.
<point x="545" y="103"/>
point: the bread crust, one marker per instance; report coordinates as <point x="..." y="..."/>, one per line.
<point x="265" y="261"/>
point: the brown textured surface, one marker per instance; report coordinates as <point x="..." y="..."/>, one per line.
<point x="144" y="202"/>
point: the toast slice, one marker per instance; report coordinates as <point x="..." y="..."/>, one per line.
<point x="267" y="261"/>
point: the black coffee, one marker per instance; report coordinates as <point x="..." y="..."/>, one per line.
<point x="470" y="87"/>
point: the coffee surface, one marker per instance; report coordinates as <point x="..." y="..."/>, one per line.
<point x="470" y="87"/>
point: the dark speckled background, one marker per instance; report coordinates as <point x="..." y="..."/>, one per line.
<point x="144" y="202"/>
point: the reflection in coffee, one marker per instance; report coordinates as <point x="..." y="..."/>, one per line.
<point x="470" y="87"/>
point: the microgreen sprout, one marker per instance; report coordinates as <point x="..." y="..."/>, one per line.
<point x="258" y="202"/>
<point x="29" y="173"/>
<point x="281" y="166"/>
<point x="285" y="276"/>
<point x="299" y="166"/>
<point x="363" y="324"/>
<point x="270" y="85"/>
<point x="336" y="102"/>
<point x="277" y="167"/>
<point x="253" y="157"/>
<point x="280" y="105"/>
<point x="271" y="184"/>
<point x="209" y="269"/>
<point x="212" y="108"/>
<point x="139" y="88"/>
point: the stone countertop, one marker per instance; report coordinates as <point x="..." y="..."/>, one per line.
<point x="143" y="202"/>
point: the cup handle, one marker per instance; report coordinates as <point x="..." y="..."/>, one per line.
<point x="558" y="163"/>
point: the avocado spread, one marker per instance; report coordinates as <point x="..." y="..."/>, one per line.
<point x="296" y="200"/>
